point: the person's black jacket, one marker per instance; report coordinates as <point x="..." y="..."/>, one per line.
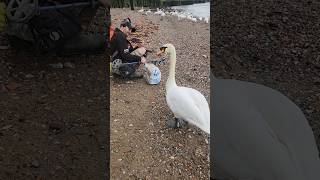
<point x="122" y="47"/>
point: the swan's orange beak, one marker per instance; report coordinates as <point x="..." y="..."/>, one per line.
<point x="160" y="52"/>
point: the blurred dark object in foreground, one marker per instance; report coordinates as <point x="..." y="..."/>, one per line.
<point x="54" y="26"/>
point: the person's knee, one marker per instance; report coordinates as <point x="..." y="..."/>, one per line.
<point x="142" y="51"/>
<point x="139" y="51"/>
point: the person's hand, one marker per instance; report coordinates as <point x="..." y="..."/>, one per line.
<point x="143" y="60"/>
<point x="140" y="45"/>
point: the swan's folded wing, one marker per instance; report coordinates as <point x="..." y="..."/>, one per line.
<point x="199" y="100"/>
<point x="190" y="105"/>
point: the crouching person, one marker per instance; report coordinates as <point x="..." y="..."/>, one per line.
<point x="122" y="49"/>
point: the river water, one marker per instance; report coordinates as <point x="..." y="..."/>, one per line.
<point x="198" y="10"/>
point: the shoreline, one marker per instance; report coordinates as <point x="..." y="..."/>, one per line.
<point x="176" y="11"/>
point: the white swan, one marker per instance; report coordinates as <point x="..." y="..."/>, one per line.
<point x="181" y="16"/>
<point x="141" y="10"/>
<point x="185" y="103"/>
<point x="148" y="12"/>
<point x="194" y="19"/>
<point x="158" y="12"/>
<point x="206" y="19"/>
<point x="174" y="13"/>
<point x="260" y="134"/>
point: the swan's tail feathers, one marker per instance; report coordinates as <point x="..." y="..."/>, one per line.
<point x="206" y="121"/>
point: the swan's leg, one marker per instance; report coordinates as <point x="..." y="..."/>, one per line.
<point x="181" y="122"/>
<point x="172" y="123"/>
<point x="176" y="123"/>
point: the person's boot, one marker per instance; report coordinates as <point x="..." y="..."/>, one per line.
<point x="136" y="74"/>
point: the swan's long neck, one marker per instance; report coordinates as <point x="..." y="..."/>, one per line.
<point x="171" y="81"/>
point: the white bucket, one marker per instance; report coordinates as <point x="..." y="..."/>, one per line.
<point x="151" y="73"/>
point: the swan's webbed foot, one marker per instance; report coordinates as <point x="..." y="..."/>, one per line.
<point x="172" y="123"/>
<point x="176" y="123"/>
<point x="181" y="122"/>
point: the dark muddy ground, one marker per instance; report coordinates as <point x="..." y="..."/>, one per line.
<point x="54" y="116"/>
